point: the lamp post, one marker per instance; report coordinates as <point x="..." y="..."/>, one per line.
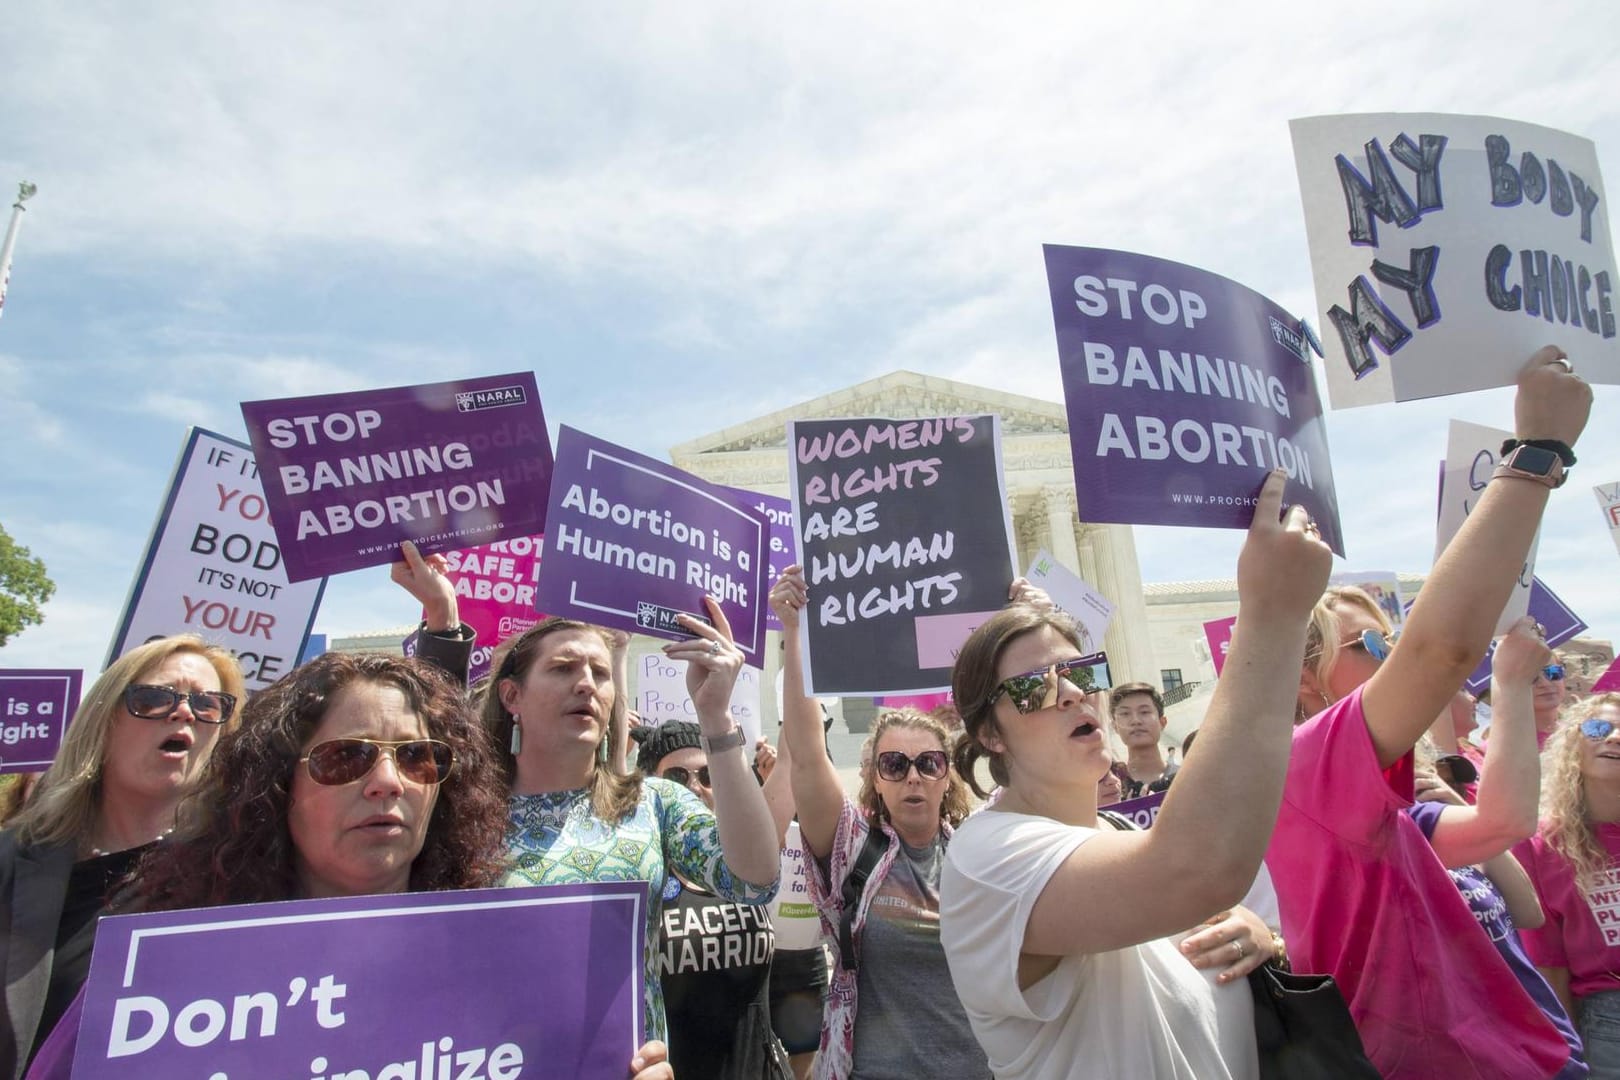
<point x="25" y="191"/>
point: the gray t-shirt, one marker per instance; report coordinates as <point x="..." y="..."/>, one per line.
<point x="909" y="1022"/>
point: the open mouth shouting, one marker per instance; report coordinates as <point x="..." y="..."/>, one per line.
<point x="1084" y="731"/>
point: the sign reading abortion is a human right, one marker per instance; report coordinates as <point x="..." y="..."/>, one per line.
<point x="448" y="465"/>
<point x="503" y="984"/>
<point x="907" y="545"/>
<point x="636" y="542"/>
<point x="213" y="567"/>
<point x="1184" y="388"/>
<point x="1446" y="249"/>
<point x="35" y="707"/>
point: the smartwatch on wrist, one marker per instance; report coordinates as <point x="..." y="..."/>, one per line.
<point x="730" y="739"/>
<point x="1527" y="461"/>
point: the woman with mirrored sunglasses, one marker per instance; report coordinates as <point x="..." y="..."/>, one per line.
<point x="1350" y="779"/>
<point x="1551" y="691"/>
<point x="1574" y="861"/>
<point x="139" y="740"/>
<point x="890" y="1010"/>
<point x="1058" y="925"/>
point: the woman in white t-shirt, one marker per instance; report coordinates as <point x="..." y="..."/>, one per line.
<point x="1057" y="932"/>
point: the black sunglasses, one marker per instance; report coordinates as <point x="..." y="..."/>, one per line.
<point x="159" y="703"/>
<point x="681" y="775"/>
<point x="343" y="761"/>
<point x="1036" y="690"/>
<point x="931" y="765"/>
<point x="1459" y="770"/>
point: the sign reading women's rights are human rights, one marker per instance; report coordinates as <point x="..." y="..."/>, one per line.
<point x="1184" y="388"/>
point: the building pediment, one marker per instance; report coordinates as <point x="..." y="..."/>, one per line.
<point x="900" y="395"/>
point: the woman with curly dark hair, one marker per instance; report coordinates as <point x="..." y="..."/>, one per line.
<point x="353" y="775"/>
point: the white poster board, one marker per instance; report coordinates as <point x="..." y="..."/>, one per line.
<point x="1472" y="453"/>
<point x="1608" y="497"/>
<point x="212" y="567"/>
<point x="1446" y="249"/>
<point x="661" y="695"/>
<point x="1073" y="596"/>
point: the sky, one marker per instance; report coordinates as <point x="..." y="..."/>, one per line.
<point x="682" y="217"/>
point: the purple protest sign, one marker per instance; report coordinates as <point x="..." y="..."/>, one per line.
<point x="1548" y="610"/>
<point x="779" y="512"/>
<point x="497" y="983"/>
<point x="1183" y="388"/>
<point x="1141" y="812"/>
<point x="35" y="707"/>
<point x="634" y="542"/>
<point x="448" y="465"/>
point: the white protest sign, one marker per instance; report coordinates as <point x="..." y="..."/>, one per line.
<point x="1472" y="451"/>
<point x="213" y="568"/>
<point x="661" y="695"/>
<point x="793" y="912"/>
<point x="1384" y="588"/>
<point x="1069" y="591"/>
<point x="1608" y="497"/>
<point x="1446" y="249"/>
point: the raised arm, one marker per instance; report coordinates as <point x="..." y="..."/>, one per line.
<point x="1205" y="847"/>
<point x="1505" y="809"/>
<point x="816" y="788"/>
<point x="619" y="718"/>
<point x="442" y="639"/>
<point x="1451" y="624"/>
<point x="778" y="787"/>
<point x="747" y="837"/>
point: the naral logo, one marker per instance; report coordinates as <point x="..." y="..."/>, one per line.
<point x="496" y="398"/>
<point x="656" y="617"/>
<point x="1288" y="338"/>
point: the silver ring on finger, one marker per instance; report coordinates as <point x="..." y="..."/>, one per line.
<point x="714" y="648"/>
<point x="1564" y="360"/>
<point x="1238" y="945"/>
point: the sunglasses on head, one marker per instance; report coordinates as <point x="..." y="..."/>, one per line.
<point x="1553" y="672"/>
<point x="1596" y="729"/>
<point x="931" y="765"/>
<point x="1036" y="690"/>
<point x="160" y="702"/>
<point x="343" y="761"/>
<point x="680" y="774"/>
<point x="1374" y="644"/>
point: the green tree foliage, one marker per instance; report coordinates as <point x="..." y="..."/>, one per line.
<point x="23" y="588"/>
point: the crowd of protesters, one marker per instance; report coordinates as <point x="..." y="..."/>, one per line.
<point x="980" y="914"/>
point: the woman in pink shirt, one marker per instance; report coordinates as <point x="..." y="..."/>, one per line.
<point x="1574" y="860"/>
<point x="1362" y="895"/>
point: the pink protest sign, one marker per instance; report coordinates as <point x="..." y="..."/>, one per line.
<point x="495" y="592"/>
<point x="1219" y="636"/>
<point x="1609" y="680"/>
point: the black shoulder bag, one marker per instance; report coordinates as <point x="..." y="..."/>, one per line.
<point x="877" y="842"/>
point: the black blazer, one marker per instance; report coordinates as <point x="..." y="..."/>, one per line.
<point x="33" y="887"/>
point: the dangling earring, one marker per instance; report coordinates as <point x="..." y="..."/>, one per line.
<point x="602" y="750"/>
<point x="517" y="734"/>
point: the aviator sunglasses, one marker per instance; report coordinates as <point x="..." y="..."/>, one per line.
<point x="343" y="761"/>
<point x="1376" y="645"/>
<point x="931" y="765"/>
<point x="1596" y="729"/>
<point x="160" y="702"/>
<point x="1553" y="672"/>
<point x="1036" y="690"/>
<point x="681" y="775"/>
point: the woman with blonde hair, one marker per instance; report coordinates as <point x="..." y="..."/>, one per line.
<point x="1574" y="861"/>
<point x="137" y="743"/>
<point x="874" y="866"/>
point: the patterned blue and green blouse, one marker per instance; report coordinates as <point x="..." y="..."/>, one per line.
<point x="555" y="839"/>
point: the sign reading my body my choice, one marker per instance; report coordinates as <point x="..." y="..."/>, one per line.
<point x="1184" y="388"/>
<point x="213" y="567"/>
<point x="448" y="465"/>
<point x="35" y="707"/>
<point x="1447" y="249"/>
<point x="635" y="542"/>
<point x="907" y="545"/>
<point x="503" y="984"/>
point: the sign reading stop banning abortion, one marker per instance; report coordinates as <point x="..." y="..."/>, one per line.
<point x="907" y="545"/>
<point x="1446" y="249"/>
<point x="635" y="542"/>
<point x="35" y="707"/>
<point x="496" y="983"/>
<point x="213" y="567"/>
<point x="448" y="465"/>
<point x="1183" y="388"/>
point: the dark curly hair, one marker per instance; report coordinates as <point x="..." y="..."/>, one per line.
<point x="233" y="845"/>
